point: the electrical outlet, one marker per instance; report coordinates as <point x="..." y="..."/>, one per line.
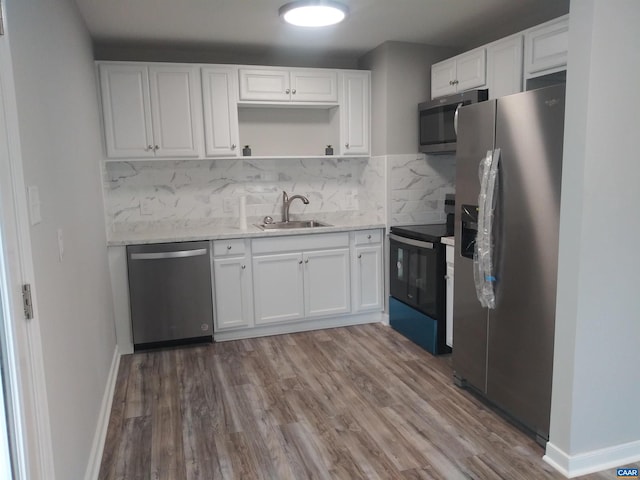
<point x="228" y="205"/>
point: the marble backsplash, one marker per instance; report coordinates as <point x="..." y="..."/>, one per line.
<point x="206" y="190"/>
<point x="417" y="187"/>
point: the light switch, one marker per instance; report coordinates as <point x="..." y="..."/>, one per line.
<point x="34" y="205"/>
<point x="60" y="244"/>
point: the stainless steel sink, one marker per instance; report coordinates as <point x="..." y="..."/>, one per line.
<point x="292" y="224"/>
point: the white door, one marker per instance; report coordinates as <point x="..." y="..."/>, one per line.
<point x="327" y="285"/>
<point x="368" y="282"/>
<point x="443" y="75"/>
<point x="233" y="292"/>
<point x="504" y="67"/>
<point x="278" y="287"/>
<point x="355" y="113"/>
<point x="471" y="70"/>
<point x="219" y="94"/>
<point x="175" y="110"/>
<point x="314" y="86"/>
<point x="22" y="364"/>
<point x="264" y="84"/>
<point x="126" y="110"/>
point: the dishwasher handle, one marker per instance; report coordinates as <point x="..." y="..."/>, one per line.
<point x="164" y="255"/>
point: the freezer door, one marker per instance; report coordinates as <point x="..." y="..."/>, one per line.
<point x="476" y="132"/>
<point x="529" y="132"/>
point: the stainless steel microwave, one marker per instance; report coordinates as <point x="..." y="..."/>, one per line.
<point x="439" y="118"/>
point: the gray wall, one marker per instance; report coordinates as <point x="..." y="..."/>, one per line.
<point x="61" y="152"/>
<point x="596" y="380"/>
<point x="400" y="78"/>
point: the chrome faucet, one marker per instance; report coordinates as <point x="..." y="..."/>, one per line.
<point x="286" y="203"/>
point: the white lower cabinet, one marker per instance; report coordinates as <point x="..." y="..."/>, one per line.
<point x="232" y="284"/>
<point x="449" y="278"/>
<point x="278" y="287"/>
<point x="289" y="283"/>
<point x="366" y="269"/>
<point x="327" y="289"/>
<point x="305" y="284"/>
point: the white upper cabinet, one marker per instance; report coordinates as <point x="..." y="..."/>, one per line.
<point x="458" y="74"/>
<point x="504" y="67"/>
<point x="127" y="110"/>
<point x="219" y="96"/>
<point x="546" y="47"/>
<point x="151" y="111"/>
<point x="288" y="85"/>
<point x="354" y="113"/>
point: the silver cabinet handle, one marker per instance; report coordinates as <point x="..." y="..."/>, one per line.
<point x="156" y="148"/>
<point x="368" y="237"/>
<point x="300" y="262"/>
<point x="360" y="255"/>
<point x="228" y="247"/>
<point x="149" y="147"/>
<point x="164" y="255"/>
<point x="293" y="91"/>
<point x="244" y="266"/>
<point x="450" y="82"/>
<point x="346" y="145"/>
<point x="306" y="261"/>
<point x="287" y="91"/>
<point x="233" y="146"/>
<point x="455" y="119"/>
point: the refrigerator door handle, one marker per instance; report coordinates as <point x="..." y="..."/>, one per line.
<point x="455" y="119"/>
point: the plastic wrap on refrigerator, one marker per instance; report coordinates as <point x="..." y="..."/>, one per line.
<point x="483" y="256"/>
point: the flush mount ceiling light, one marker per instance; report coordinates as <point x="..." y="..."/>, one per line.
<point x="313" y="13"/>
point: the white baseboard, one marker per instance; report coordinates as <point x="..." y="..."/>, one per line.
<point x="100" y="436"/>
<point x="298" y="326"/>
<point x="594" y="461"/>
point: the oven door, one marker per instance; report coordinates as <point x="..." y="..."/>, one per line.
<point x="414" y="273"/>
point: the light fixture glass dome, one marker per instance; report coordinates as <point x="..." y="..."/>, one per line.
<point x="313" y="13"/>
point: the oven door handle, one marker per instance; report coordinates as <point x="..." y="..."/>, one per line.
<point x="411" y="241"/>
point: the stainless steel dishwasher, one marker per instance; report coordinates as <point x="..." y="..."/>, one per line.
<point x="170" y="293"/>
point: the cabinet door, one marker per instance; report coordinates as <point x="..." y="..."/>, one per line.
<point x="504" y="67"/>
<point x="264" y="85"/>
<point x="355" y="113"/>
<point x="443" y="75"/>
<point x="471" y="70"/>
<point x="126" y="110"/>
<point x="546" y="47"/>
<point x="449" y="316"/>
<point x="327" y="286"/>
<point x="367" y="271"/>
<point x="314" y="86"/>
<point x="219" y="93"/>
<point x="176" y="110"/>
<point x="233" y="288"/>
<point x="278" y="287"/>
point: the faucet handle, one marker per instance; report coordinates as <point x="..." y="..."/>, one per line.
<point x="285" y="197"/>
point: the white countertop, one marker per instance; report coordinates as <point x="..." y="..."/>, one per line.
<point x="448" y="241"/>
<point x="165" y="232"/>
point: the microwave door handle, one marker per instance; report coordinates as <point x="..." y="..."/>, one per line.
<point x="455" y="119"/>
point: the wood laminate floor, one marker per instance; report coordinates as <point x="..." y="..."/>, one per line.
<point x="346" y="403"/>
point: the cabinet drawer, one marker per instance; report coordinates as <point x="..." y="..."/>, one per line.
<point x="224" y="248"/>
<point x="365" y="237"/>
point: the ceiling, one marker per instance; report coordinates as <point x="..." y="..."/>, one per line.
<point x="255" y="23"/>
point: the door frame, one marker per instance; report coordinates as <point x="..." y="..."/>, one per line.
<point x="33" y="453"/>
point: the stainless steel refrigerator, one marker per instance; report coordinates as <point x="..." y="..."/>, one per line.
<point x="505" y="350"/>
